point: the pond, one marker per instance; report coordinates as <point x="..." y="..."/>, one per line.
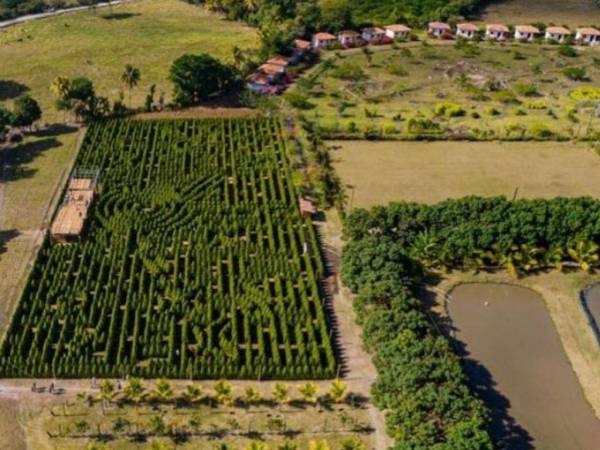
<point x="516" y="362"/>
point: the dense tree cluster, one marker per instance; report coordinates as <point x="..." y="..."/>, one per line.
<point x="474" y="232"/>
<point x="309" y="15"/>
<point x="26" y="112"/>
<point x="421" y="384"/>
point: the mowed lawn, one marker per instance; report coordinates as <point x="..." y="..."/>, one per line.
<point x="150" y="34"/>
<point x="377" y="173"/>
<point x="568" y="12"/>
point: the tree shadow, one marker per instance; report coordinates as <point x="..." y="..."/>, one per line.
<point x="7" y="236"/>
<point x="119" y="16"/>
<point x="14" y="159"/>
<point x="10" y="89"/>
<point x="505" y="431"/>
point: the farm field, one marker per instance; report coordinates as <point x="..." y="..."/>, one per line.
<point x="500" y="323"/>
<point x="567" y="12"/>
<point x="427" y="172"/>
<point x="197" y="263"/>
<point x="149" y="34"/>
<point x="483" y="91"/>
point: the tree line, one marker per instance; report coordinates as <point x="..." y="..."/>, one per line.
<point x="487" y="233"/>
<point x="334" y="15"/>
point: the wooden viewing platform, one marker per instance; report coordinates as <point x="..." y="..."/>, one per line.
<point x="73" y="213"/>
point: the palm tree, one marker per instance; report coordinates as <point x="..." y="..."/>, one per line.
<point x="60" y="87"/>
<point x="353" y="444"/>
<point x="251" y="395"/>
<point x="223" y="392"/>
<point x="257" y="445"/>
<point x="107" y="392"/>
<point x="337" y="392"/>
<point x="192" y="393"/>
<point x="318" y="445"/>
<point x="585" y="253"/>
<point x="554" y="257"/>
<point x="163" y="391"/>
<point x="309" y="392"/>
<point x="131" y="78"/>
<point x="135" y="389"/>
<point x="280" y="393"/>
<point x="238" y="58"/>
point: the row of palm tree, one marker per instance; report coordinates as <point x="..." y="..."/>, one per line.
<point x="223" y="393"/>
<point x="517" y="259"/>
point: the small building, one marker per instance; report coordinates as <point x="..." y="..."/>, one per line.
<point x="439" y="29"/>
<point x="282" y="61"/>
<point x="557" y="34"/>
<point x="259" y="82"/>
<point x="301" y="48"/>
<point x="275" y="71"/>
<point x="71" y="217"/>
<point x="526" y="33"/>
<point x="307" y="209"/>
<point x="467" y="30"/>
<point x="397" y="31"/>
<point x="588" y="36"/>
<point x="349" y="38"/>
<point x="497" y="32"/>
<point x="323" y="40"/>
<point x="373" y="34"/>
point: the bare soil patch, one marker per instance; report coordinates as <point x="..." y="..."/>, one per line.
<point x="515" y="359"/>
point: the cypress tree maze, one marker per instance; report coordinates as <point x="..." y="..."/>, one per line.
<point x="196" y="263"/>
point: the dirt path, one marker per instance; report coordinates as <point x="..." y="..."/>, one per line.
<point x="59" y="12"/>
<point x="357" y="364"/>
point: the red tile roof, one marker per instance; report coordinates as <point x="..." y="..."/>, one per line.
<point x="467" y="27"/>
<point x="398" y="28"/>
<point x="527" y="29"/>
<point x="589" y="31"/>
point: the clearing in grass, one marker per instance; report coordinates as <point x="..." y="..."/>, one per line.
<point x="429" y="172"/>
<point x="197" y="263"/>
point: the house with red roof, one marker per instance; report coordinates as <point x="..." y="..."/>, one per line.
<point x="588" y="36"/>
<point x="497" y="32"/>
<point x="526" y="33"/>
<point x="467" y="30"/>
<point x="557" y="34"/>
<point x="397" y="31"/>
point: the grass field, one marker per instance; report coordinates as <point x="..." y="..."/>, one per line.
<point x="485" y="91"/>
<point x="148" y="34"/>
<point x="380" y="172"/>
<point x="567" y="12"/>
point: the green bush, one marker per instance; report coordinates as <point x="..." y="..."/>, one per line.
<point x="349" y="72"/>
<point x="526" y="89"/>
<point x="568" y="51"/>
<point x="298" y="101"/>
<point x="575" y="73"/>
<point x="449" y="110"/>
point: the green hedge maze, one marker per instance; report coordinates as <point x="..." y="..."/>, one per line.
<point x="196" y="263"/>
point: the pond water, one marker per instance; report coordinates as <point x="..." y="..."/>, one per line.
<point x="516" y="362"/>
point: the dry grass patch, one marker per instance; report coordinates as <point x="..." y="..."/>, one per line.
<point x="380" y="172"/>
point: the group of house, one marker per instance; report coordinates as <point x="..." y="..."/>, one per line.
<point x="272" y="76"/>
<point x="499" y="32"/>
<point x="370" y="35"/>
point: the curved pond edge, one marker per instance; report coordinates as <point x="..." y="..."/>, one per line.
<point x="583" y="299"/>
